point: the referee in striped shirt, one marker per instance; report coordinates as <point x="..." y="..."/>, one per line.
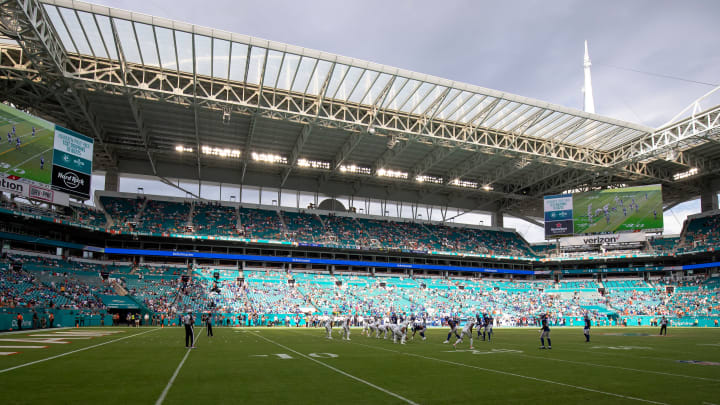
<point x="189" y="321"/>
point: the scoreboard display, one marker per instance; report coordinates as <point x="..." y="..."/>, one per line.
<point x="39" y="158"/>
<point x="626" y="209"/>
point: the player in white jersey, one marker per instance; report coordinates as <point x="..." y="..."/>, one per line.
<point x="467" y="331"/>
<point x="328" y="327"/>
<point x="345" y="333"/>
<point x="399" y="331"/>
<point x="382" y="328"/>
<point x="366" y="326"/>
<point x="373" y="327"/>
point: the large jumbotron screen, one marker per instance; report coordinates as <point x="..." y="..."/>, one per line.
<point x="37" y="151"/>
<point x="605" y="211"/>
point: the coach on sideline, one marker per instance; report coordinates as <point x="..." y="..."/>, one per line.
<point x="189" y="321"/>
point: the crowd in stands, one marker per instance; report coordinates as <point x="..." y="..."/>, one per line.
<point x="253" y="295"/>
<point x="333" y="230"/>
<point x="164" y="217"/>
<point x="215" y="220"/>
<point x="701" y="233"/>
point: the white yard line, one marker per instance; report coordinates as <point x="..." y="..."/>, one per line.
<point x="177" y="371"/>
<point x="16" y="332"/>
<point x="28" y="159"/>
<point x="582" y="363"/>
<point x="543" y="380"/>
<point x="339" y="371"/>
<point x="74" y="351"/>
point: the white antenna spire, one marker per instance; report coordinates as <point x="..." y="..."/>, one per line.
<point x="588" y="102"/>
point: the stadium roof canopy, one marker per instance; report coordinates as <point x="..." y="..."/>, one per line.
<point x="171" y="99"/>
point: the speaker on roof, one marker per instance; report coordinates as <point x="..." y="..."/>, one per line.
<point x="462" y="287"/>
<point x="670" y="289"/>
<point x="338" y="283"/>
<point x="423" y="285"/>
<point x="291" y="281"/>
<point x="217" y="275"/>
<point x="185" y="279"/>
<point x="17" y="266"/>
<point x="383" y="284"/>
<point x="104" y="275"/>
<point x="601" y="291"/>
<point x="240" y="280"/>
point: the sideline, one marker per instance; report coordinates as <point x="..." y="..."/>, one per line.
<point x="75" y="351"/>
<point x="177" y="370"/>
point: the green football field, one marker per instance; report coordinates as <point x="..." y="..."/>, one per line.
<point x="647" y="215"/>
<point x="300" y="366"/>
<point x="25" y="161"/>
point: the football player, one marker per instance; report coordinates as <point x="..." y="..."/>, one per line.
<point x="453" y="324"/>
<point x="467" y="331"/>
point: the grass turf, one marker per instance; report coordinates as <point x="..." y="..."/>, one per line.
<point x="283" y="365"/>
<point x="630" y="220"/>
<point x="25" y="161"/>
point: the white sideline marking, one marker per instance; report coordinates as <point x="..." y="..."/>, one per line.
<point x="519" y="375"/>
<point x="16" y="332"/>
<point x="74" y="351"/>
<point x="342" y="372"/>
<point x="177" y="371"/>
<point x="621" y="368"/>
<point x="63" y="337"/>
<point x="24" y="347"/>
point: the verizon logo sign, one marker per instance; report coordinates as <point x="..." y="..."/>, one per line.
<point x="633" y="237"/>
<point x="599" y="240"/>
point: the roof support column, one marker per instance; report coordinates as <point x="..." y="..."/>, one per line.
<point x="112" y="180"/>
<point x="496" y="219"/>
<point x="709" y="196"/>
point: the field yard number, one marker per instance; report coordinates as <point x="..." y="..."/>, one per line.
<point x="285" y="356"/>
<point x="323" y="355"/>
<point x="493" y="351"/>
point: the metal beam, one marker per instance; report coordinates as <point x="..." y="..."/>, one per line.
<point x="248" y="145"/>
<point x="436" y="155"/>
<point x="389" y="154"/>
<point x="295" y="153"/>
<point x="28" y="23"/>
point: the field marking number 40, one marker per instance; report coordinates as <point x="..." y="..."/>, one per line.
<point x="285" y="356"/>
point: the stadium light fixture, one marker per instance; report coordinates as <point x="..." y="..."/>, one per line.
<point x="487" y="187"/>
<point x="428" y="179"/>
<point x="688" y="173"/>
<point x="395" y="174"/>
<point x="314" y="164"/>
<point x="464" y="183"/>
<point x="181" y="149"/>
<point x="354" y="169"/>
<point x="221" y="152"/>
<point x="268" y="158"/>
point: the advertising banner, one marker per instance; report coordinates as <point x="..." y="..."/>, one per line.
<point x="72" y="162"/>
<point x="44" y="155"/>
<point x="17" y="186"/>
<point x="558" y="215"/>
<point x="71" y="181"/>
<point x="558" y="228"/>
<point x="631" y="237"/>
